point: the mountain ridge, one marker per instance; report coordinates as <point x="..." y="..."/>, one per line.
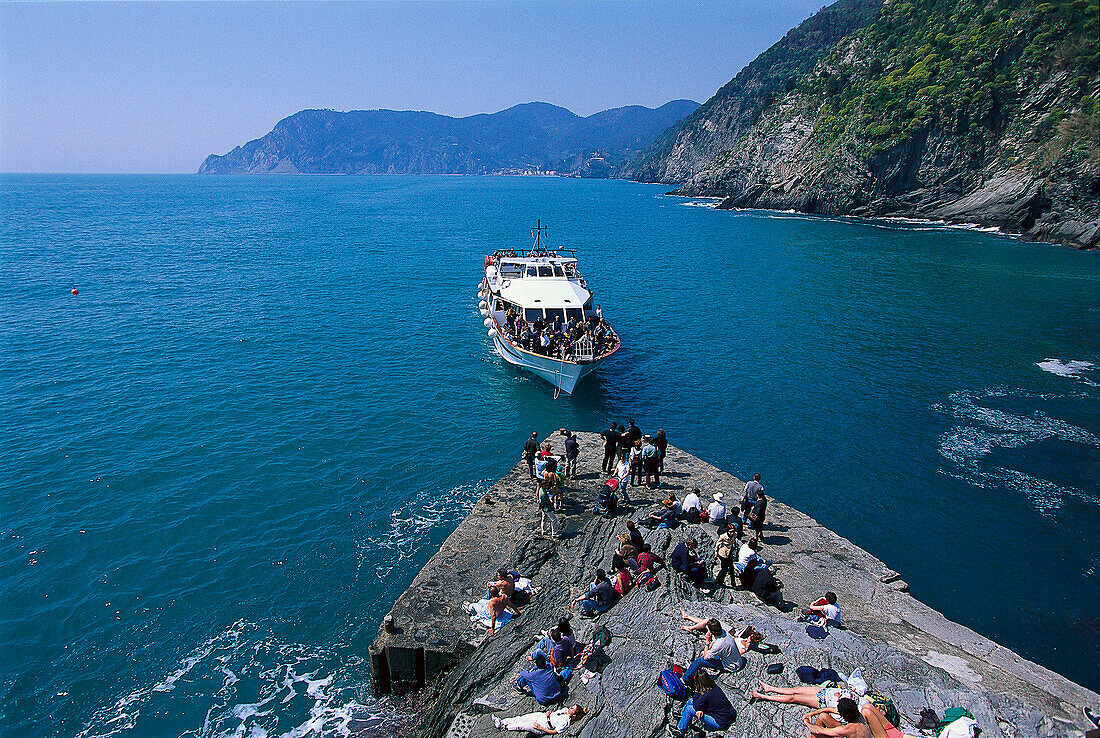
<point x="534" y="137"/>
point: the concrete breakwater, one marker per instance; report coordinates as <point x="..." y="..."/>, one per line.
<point x="906" y="649"/>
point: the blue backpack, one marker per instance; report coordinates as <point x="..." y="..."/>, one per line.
<point x="673" y="685"/>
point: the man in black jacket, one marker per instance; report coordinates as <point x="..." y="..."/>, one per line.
<point x="610" y="444"/>
<point x="530" y="449"/>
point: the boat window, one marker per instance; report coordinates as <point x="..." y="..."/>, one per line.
<point x="574" y="313"/>
<point x="544" y="271"/>
<point x="552" y="313"/>
<point x="511" y="271"/>
<point x="532" y="314"/>
<point x="500" y="306"/>
<point x="531" y="272"/>
<point x="588" y="305"/>
<point x="558" y="271"/>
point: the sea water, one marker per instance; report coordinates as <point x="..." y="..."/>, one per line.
<point x="272" y="397"/>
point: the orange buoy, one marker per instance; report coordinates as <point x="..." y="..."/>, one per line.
<point x="74" y="291"/>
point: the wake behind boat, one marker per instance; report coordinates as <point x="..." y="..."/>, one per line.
<point x="540" y="314"/>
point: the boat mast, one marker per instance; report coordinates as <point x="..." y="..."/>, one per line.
<point x="537" y="233"/>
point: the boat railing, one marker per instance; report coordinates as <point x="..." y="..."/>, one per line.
<point x="584" y="350"/>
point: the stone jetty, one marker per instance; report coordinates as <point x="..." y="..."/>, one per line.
<point x="905" y="649"/>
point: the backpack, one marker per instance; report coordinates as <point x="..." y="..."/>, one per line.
<point x="602" y="636"/>
<point x="952" y="714"/>
<point x="673" y="685"/>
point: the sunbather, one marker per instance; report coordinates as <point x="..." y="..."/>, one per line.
<point x="541" y="723"/>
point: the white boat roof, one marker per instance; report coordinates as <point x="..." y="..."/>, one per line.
<point x="544" y="292"/>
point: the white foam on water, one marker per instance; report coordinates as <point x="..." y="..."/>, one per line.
<point x="711" y="203"/>
<point x="1068" y="368"/>
<point x="982" y="430"/>
<point x="267" y="689"/>
<point x="411" y="524"/>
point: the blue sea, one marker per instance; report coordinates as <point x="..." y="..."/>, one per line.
<point x="272" y="398"/>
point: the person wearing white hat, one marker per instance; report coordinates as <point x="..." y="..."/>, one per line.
<point x="717" y="509"/>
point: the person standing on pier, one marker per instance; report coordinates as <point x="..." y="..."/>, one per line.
<point x="752" y="489"/>
<point x="661" y="442"/>
<point x="757" y="513"/>
<point x="530" y="449"/>
<point x="572" y="452"/>
<point x="610" y="444"/>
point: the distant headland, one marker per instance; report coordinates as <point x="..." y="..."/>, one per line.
<point x="533" y="138"/>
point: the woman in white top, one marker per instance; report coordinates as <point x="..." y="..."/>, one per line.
<point x="541" y="723"/>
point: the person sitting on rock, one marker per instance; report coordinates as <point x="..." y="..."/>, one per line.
<point x="824" y="608"/>
<point x="542" y="682"/>
<point x="496" y="607"/>
<point x="624" y="552"/>
<point x="601" y="596"/>
<point x="692" y="506"/>
<point x="708" y="704"/>
<point x="685" y="561"/>
<point x="647" y="560"/>
<point x="622" y="580"/>
<point x="541" y="723"/>
<point x="506" y="585"/>
<point x="747" y="553"/>
<point x="723" y="651"/>
<point x="663" y="516"/>
<point x="636" y="539"/>
<point x="716" y="513"/>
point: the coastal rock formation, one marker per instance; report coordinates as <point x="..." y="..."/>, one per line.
<point x="906" y="650"/>
<point x="526" y="139"/>
<point x="965" y="112"/>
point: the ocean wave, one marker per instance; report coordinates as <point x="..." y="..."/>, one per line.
<point x="411" y="525"/>
<point x="252" y="686"/>
<point x="981" y="430"/>
<point x="1068" y="368"/>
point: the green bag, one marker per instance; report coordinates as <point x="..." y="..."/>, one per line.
<point x="952" y="714"/>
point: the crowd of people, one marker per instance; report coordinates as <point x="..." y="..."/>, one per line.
<point x="556" y="337"/>
<point x="635" y="459"/>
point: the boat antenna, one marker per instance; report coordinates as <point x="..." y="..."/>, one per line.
<point x="537" y="233"/>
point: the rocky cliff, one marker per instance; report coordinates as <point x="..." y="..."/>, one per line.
<point x="985" y="113"/>
<point x="906" y="650"/>
<point x="530" y="138"/>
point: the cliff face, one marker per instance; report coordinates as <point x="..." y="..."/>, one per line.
<point x="983" y="113"/>
<point x="693" y="145"/>
<point x="535" y="137"/>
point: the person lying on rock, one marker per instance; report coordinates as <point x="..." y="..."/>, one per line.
<point x="601" y="596"/>
<point x="542" y="682"/>
<point x="822" y="697"/>
<point x="542" y="723"/>
<point x="708" y="704"/>
<point x="687" y="563"/>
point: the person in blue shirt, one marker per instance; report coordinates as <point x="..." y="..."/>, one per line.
<point x="685" y="561"/>
<point x="542" y="682"/>
<point x="709" y="705"/>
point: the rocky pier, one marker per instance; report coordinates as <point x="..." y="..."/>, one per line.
<point x="905" y="649"/>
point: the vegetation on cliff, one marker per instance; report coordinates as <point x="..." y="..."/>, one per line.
<point x="970" y="111"/>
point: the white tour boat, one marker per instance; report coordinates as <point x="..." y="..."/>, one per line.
<point x="539" y="312"/>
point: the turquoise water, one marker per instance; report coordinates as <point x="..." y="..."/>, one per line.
<point x="273" y="397"/>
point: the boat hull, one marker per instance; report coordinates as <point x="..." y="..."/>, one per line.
<point x="562" y="374"/>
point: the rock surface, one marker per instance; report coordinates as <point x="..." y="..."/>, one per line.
<point x="906" y="649"/>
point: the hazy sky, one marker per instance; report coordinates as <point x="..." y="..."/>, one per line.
<point x="155" y="87"/>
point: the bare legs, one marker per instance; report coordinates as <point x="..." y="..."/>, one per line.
<point x="788" y="695"/>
